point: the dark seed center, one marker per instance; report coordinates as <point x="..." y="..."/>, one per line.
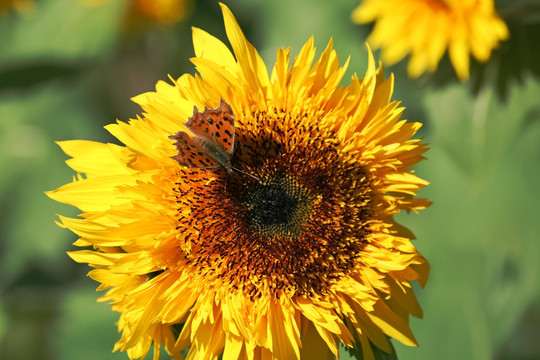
<point x="278" y="207"/>
<point x="273" y="205"/>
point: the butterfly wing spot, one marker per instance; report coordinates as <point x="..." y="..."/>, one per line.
<point x="197" y="124"/>
<point x="214" y="125"/>
<point x="227" y="138"/>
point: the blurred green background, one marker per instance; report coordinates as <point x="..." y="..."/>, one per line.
<point x="67" y="69"/>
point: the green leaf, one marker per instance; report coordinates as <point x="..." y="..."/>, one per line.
<point x="481" y="234"/>
<point x="356" y="354"/>
<point x="478" y="131"/>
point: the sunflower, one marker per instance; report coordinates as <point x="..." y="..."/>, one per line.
<point x="140" y="12"/>
<point x="424" y="29"/>
<point x="161" y="11"/>
<point x="275" y="240"/>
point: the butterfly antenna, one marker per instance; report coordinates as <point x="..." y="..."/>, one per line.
<point x="245" y="173"/>
<point x="226" y="179"/>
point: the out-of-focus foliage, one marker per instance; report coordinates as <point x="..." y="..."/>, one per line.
<point x="519" y="58"/>
<point x="67" y="69"/>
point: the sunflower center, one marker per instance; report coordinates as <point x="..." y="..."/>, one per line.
<point x="277" y="207"/>
<point x="296" y="229"/>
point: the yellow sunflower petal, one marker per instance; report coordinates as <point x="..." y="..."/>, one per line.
<point x="252" y="65"/>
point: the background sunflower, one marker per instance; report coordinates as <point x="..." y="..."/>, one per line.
<point x="64" y="77"/>
<point x="426" y="29"/>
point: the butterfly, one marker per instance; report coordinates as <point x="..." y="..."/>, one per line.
<point x="212" y="142"/>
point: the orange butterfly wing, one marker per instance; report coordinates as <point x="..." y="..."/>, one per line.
<point x="214" y="125"/>
<point x="189" y="152"/>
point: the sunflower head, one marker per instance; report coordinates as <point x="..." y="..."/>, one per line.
<point x="250" y="215"/>
<point x="303" y="215"/>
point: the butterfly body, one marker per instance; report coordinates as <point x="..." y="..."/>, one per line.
<point x="217" y="153"/>
<point x="212" y="141"/>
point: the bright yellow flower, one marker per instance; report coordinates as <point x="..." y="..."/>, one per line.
<point x="424" y="29"/>
<point x="160" y="11"/>
<point x="286" y="253"/>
